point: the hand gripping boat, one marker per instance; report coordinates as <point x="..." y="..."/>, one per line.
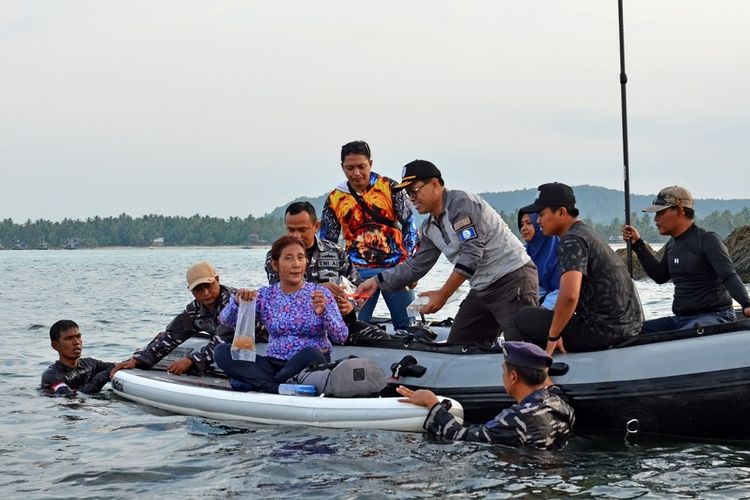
<point x="212" y="397"/>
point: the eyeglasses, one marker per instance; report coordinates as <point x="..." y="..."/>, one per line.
<point x="412" y="193"/>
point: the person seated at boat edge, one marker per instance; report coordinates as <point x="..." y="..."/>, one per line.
<point x="326" y="261"/>
<point x="72" y="373"/>
<point x="200" y="315"/>
<point x="696" y="260"/>
<point x="597" y="305"/>
<point x="540" y="418"/>
<point x="482" y="248"/>
<point x="300" y="318"/>
<point x="378" y="226"/>
<point x="543" y="251"/>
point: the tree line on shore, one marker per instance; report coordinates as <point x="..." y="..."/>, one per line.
<point x="125" y="230"/>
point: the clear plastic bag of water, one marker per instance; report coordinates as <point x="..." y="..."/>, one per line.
<point x="413" y="309"/>
<point x="344" y="282"/>
<point x="243" y="345"/>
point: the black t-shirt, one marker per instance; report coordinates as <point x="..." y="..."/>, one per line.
<point x="89" y="376"/>
<point x="704" y="276"/>
<point x="608" y="304"/>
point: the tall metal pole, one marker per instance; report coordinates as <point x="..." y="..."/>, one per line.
<point x="626" y="160"/>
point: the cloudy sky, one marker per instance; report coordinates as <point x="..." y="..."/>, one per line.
<point x="232" y="108"/>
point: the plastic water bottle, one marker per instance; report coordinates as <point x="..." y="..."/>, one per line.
<point x="297" y="390"/>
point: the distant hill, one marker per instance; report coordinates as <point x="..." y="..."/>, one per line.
<point x="599" y="204"/>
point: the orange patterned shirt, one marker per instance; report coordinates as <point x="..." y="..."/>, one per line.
<point x="382" y="238"/>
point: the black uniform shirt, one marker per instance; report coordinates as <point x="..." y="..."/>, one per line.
<point x="89" y="376"/>
<point x="704" y="276"/>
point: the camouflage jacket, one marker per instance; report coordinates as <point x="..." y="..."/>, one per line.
<point x="542" y="420"/>
<point x="195" y="318"/>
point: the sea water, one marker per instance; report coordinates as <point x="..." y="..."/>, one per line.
<point x="102" y="446"/>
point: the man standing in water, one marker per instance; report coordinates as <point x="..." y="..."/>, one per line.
<point x="378" y="227"/>
<point x="696" y="260"/>
<point x="200" y="315"/>
<point x="540" y="418"/>
<point x="72" y="373"/>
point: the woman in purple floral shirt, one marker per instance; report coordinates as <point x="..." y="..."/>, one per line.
<point x="301" y="318"/>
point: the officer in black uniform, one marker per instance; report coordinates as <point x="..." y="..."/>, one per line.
<point x="541" y="418"/>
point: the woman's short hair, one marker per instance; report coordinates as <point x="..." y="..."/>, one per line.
<point x="283" y="242"/>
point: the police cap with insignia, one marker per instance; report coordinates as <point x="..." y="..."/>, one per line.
<point x="526" y="354"/>
<point x="416" y="170"/>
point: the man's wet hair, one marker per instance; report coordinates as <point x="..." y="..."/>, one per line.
<point x="355" y="148"/>
<point x="689" y="213"/>
<point x="61" y="326"/>
<point x="302" y="206"/>
<point x="572" y="211"/>
<point x="529" y="376"/>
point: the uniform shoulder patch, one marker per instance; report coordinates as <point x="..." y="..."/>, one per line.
<point x="467" y="234"/>
<point x="462" y="223"/>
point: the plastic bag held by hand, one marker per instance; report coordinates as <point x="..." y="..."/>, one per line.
<point x="413" y="310"/>
<point x="243" y="345"/>
<point x="348" y="286"/>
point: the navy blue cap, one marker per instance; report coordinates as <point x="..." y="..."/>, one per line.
<point x="552" y="194"/>
<point x="416" y="170"/>
<point x="526" y="354"/>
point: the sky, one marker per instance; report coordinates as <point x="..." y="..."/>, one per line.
<point x="230" y="108"/>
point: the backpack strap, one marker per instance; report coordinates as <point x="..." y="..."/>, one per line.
<point x="368" y="209"/>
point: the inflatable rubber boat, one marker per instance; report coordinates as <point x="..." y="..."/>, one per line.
<point x="211" y="397"/>
<point x="689" y="383"/>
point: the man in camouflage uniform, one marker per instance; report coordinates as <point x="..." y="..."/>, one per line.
<point x="201" y="315"/>
<point x="326" y="261"/>
<point x="541" y="418"/>
<point x="597" y="305"/>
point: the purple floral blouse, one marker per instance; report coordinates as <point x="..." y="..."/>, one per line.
<point x="291" y="320"/>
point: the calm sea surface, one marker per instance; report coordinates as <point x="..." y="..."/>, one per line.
<point x="93" y="447"/>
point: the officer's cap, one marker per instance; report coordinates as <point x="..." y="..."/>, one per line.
<point x="526" y="354"/>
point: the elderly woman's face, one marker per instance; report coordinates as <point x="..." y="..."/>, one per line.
<point x="291" y="265"/>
